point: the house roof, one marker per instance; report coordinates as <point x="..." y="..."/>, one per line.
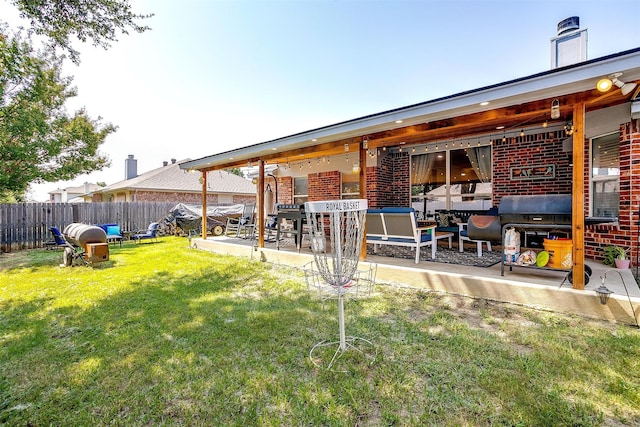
<point x="81" y="189"/>
<point x="451" y="116"/>
<point x="172" y="178"/>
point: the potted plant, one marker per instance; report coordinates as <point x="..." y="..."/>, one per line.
<point x="616" y="255"/>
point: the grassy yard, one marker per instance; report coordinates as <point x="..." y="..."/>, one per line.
<point x="167" y="335"/>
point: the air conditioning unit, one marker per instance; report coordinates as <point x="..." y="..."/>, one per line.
<point x="635" y="109"/>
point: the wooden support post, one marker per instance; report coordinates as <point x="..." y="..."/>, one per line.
<point x="577" y="205"/>
<point x="204" y="205"/>
<point x="260" y="214"/>
<point x="362" y="160"/>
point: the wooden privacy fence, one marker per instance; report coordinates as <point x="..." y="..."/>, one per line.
<point x="26" y="225"/>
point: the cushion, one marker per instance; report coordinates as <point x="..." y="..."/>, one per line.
<point x="442" y="219"/>
<point x="113" y="230"/>
<point x="493" y="211"/>
<point x="397" y="210"/>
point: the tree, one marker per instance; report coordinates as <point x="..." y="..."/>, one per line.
<point x="236" y="171"/>
<point x="59" y="21"/>
<point x="39" y="141"/>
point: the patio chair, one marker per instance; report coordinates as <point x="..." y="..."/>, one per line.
<point x="58" y="239"/>
<point x="150" y="233"/>
<point x="463" y="236"/>
<point x="245" y="223"/>
<point x="113" y="233"/>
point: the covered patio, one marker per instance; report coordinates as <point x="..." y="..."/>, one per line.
<point x="557" y="121"/>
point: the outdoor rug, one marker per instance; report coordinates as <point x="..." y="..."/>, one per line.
<point x="444" y="255"/>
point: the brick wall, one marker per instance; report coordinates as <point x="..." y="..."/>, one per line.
<point x="626" y="234"/>
<point x="389" y="183"/>
<point x="285" y="189"/>
<point x="534" y="149"/>
<point x="324" y="186"/>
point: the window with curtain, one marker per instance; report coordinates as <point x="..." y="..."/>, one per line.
<point x="464" y="184"/>
<point x="605" y="175"/>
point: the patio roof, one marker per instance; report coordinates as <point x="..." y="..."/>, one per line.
<point x="512" y="104"/>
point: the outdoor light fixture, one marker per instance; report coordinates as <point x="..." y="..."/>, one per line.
<point x="607" y="83"/>
<point x="604" y="293"/>
<point x="555" y="109"/>
<point x="356" y="168"/>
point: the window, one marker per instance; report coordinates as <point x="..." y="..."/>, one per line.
<point x="452" y="179"/>
<point x="605" y="175"/>
<point x="300" y="190"/>
<point x="350" y="185"/>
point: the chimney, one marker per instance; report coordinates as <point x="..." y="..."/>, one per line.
<point x="130" y="167"/>
<point x="165" y="163"/>
<point x="173" y="161"/>
<point x="87" y="188"/>
<point x="570" y="45"/>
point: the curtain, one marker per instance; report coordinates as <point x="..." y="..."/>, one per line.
<point x="422" y="165"/>
<point x="480" y="159"/>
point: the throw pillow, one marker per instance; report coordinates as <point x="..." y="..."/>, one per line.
<point x="443" y="219"/>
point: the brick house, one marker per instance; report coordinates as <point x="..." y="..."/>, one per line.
<point x="554" y="132"/>
<point x="170" y="183"/>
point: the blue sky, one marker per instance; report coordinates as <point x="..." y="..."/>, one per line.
<point x="216" y="75"/>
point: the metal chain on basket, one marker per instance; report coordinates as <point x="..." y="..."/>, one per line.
<point x="337" y="263"/>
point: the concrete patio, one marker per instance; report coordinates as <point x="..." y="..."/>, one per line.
<point x="542" y="289"/>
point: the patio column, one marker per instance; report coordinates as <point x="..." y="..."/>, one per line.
<point x="577" y="205"/>
<point x="261" y="204"/>
<point x="204" y="204"/>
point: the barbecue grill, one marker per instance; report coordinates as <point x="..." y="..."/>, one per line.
<point x="547" y="212"/>
<point x="297" y="215"/>
<point x="86" y="243"/>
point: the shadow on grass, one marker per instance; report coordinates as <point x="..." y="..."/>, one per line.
<point x="226" y="342"/>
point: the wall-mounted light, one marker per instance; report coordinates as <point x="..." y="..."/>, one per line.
<point x="356" y="168"/>
<point x="605" y="84"/>
<point x="555" y="109"/>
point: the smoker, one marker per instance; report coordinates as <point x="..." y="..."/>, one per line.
<point x="87" y="243"/>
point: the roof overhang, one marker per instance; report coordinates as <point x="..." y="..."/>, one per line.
<point x="510" y="104"/>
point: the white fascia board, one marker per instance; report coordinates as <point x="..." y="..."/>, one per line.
<point x="571" y="79"/>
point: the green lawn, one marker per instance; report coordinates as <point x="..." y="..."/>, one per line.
<point x="167" y="335"/>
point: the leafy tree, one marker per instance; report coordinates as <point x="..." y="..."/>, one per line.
<point x="39" y="140"/>
<point x="236" y="171"/>
<point x="59" y="21"/>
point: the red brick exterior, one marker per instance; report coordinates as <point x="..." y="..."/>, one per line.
<point x="536" y="149"/>
<point x="389" y="184"/>
<point x="626" y="234"/>
<point x="285" y="189"/>
<point x="324" y="186"/>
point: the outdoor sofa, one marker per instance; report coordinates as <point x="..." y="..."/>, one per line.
<point x="399" y="227"/>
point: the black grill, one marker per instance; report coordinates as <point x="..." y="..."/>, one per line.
<point x="536" y="209"/>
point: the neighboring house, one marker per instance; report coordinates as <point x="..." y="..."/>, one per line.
<point x="73" y="194"/>
<point x="169" y="183"/>
<point x="554" y="132"/>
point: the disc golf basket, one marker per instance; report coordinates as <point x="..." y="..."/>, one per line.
<point x="336" y="231"/>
